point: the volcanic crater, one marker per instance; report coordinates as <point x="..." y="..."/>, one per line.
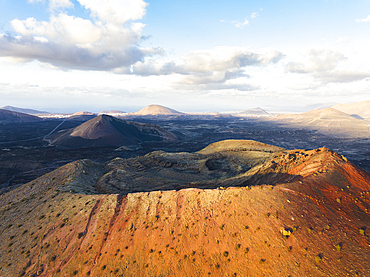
<point x="235" y="208"/>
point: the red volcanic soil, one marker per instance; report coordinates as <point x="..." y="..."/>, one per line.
<point x="302" y="213"/>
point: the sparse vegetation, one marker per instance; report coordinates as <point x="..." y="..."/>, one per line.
<point x="362" y="230"/>
<point x="286" y="232"/>
<point x="318" y="258"/>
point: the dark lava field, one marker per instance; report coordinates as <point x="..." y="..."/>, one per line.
<point x="26" y="153"/>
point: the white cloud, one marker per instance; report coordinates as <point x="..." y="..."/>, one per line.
<point x="218" y="87"/>
<point x="116" y="11"/>
<point x="67" y="41"/>
<point x="219" y="68"/>
<point x="36" y="1"/>
<point x="206" y="63"/>
<point x="137" y="27"/>
<point x="315" y="61"/>
<point x="237" y="24"/>
<point x="323" y="66"/>
<point x="213" y="77"/>
<point x="342" y="39"/>
<point x="62" y="27"/>
<point x="56" y="4"/>
<point x="240" y="25"/>
<point x="226" y="57"/>
<point x="367" y="19"/>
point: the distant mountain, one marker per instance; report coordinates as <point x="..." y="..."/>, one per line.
<point x="112" y="112"/>
<point x="105" y="130"/>
<point x="10" y="117"/>
<point x="319" y="106"/>
<point x="83" y="113"/>
<point x="223" y="116"/>
<point x="361" y="109"/>
<point x="328" y="121"/>
<point x="81" y="116"/>
<point x="236" y="209"/>
<point x="252" y="112"/>
<point x="20" y="110"/>
<point x="327" y="116"/>
<point x="157" y="110"/>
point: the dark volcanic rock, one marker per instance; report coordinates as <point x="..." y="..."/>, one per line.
<point x="105" y="130"/>
<point x="10" y="117"/>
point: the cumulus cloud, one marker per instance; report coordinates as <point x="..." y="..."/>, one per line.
<point x="221" y="68"/>
<point x="241" y="24"/>
<point x="344" y="76"/>
<point x="367" y="19"/>
<point x="68" y="41"/>
<point x="56" y="4"/>
<point x="215" y="77"/>
<point x="216" y="69"/>
<point x="237" y="23"/>
<point x="316" y="60"/>
<point x="210" y="69"/>
<point x="236" y="87"/>
<point x="322" y="65"/>
<point x="116" y="11"/>
<point x="220" y="58"/>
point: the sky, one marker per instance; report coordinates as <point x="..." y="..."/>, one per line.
<point x="192" y="56"/>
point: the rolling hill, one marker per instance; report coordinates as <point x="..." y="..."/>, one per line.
<point x="361" y="109"/>
<point x="81" y="116"/>
<point x="253" y="112"/>
<point x="293" y="213"/>
<point x="13" y="117"/>
<point x="328" y="121"/>
<point x="82" y="113"/>
<point x="156" y="110"/>
<point x="20" y="110"/>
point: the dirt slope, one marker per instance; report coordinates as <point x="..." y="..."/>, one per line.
<point x="300" y="213"/>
